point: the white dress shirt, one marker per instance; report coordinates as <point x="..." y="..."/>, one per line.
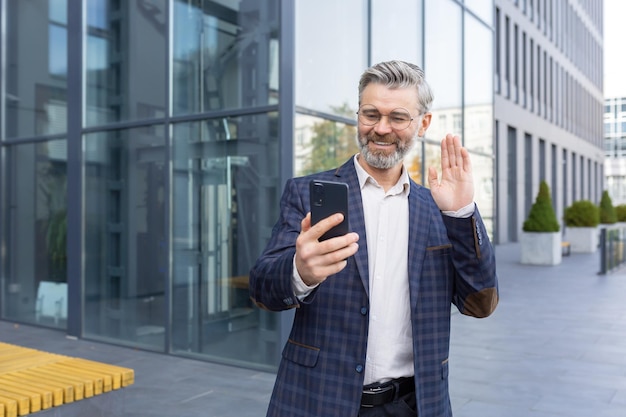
<point x="390" y="340"/>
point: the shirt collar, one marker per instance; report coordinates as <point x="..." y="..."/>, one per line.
<point x="402" y="186"/>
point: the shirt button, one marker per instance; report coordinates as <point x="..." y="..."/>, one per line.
<point x="359" y="368"/>
<point x="363" y="310"/>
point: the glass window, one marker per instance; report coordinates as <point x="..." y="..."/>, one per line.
<point x="125" y="250"/>
<point x="483" y="9"/>
<point x="322" y="144"/>
<point x="432" y="158"/>
<point x="478" y="87"/>
<point x="36" y="68"/>
<point x="224" y="57"/>
<point x="443" y="65"/>
<point x="35" y="219"/>
<point x="482" y="169"/>
<point x="329" y="58"/>
<point x="405" y="40"/>
<point x="225" y="200"/>
<point x="125" y="61"/>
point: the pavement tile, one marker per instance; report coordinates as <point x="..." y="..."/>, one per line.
<point x="554" y="347"/>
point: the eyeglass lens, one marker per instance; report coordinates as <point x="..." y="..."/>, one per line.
<point x="398" y="118"/>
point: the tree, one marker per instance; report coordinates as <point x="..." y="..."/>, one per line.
<point x="332" y="143"/>
<point x="607" y="211"/>
<point x="542" y="217"/>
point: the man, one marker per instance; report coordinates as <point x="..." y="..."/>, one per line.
<point x="371" y="332"/>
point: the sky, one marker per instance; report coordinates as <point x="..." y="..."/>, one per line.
<point x="614" y="48"/>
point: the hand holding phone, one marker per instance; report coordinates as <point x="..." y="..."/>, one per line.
<point x="327" y="198"/>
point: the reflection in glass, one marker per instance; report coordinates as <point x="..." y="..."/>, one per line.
<point x="483" y="9"/>
<point x="125" y="246"/>
<point x="329" y="59"/>
<point x="225" y="194"/>
<point x="322" y="144"/>
<point x="35" y="226"/>
<point x="405" y="40"/>
<point x="36" y="68"/>
<point x="478" y="88"/>
<point x="482" y="167"/>
<point x="443" y="66"/>
<point x="413" y="162"/>
<point x="124" y="64"/>
<point x="224" y="57"/>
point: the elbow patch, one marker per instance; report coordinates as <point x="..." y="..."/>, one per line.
<point x="482" y="303"/>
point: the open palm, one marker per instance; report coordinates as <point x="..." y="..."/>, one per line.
<point x="456" y="188"/>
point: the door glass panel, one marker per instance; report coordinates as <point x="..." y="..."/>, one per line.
<point x="225" y="195"/>
<point x="225" y="54"/>
<point x="35" y="220"/>
<point x="124" y="65"/>
<point x="35" y="96"/>
<point x="126" y="261"/>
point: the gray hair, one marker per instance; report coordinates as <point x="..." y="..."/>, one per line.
<point x="399" y="74"/>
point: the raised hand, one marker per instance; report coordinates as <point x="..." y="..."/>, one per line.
<point x="456" y="188"/>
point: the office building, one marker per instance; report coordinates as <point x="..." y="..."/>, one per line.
<point x="145" y="144"/>
<point x="548" y="106"/>
<point x="615" y="148"/>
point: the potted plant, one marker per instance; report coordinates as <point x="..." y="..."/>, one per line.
<point x="607" y="211"/>
<point x="620" y="212"/>
<point x="582" y="219"/>
<point x="540" y="239"/>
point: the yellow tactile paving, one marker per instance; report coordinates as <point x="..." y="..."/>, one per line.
<point x="32" y="380"/>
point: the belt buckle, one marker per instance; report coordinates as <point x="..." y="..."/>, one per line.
<point x="374" y="392"/>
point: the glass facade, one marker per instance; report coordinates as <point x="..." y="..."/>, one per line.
<point x="192" y="116"/>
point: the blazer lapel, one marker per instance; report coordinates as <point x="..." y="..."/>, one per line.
<point x="419" y="224"/>
<point x="347" y="173"/>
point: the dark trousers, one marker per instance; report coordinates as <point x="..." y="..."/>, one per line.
<point x="404" y="406"/>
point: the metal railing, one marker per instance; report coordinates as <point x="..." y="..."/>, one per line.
<point x="612" y="248"/>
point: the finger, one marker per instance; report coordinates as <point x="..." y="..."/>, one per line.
<point x="326" y="224"/>
<point x="432" y="177"/>
<point x="467" y="163"/>
<point x="342" y="253"/>
<point x="456" y="140"/>
<point x="336" y="260"/>
<point x="451" y="151"/>
<point x="305" y="224"/>
<point x="445" y="155"/>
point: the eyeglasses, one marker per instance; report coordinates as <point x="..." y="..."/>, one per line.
<point x="399" y="118"/>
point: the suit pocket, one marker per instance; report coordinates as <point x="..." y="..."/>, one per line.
<point x="444" y="369"/>
<point x="301" y="354"/>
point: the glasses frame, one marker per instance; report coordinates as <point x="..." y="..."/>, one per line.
<point x="411" y="118"/>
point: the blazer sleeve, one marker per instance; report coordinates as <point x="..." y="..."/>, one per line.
<point x="270" y="277"/>
<point x="476" y="283"/>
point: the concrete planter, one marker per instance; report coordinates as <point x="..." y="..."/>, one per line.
<point x="541" y="248"/>
<point x="583" y="239"/>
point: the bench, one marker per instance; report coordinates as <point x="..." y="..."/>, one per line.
<point x="32" y="380"/>
<point x="566" y="248"/>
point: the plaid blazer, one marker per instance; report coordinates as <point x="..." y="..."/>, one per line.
<point x="451" y="261"/>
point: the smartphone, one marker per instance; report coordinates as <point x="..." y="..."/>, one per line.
<point x="327" y="198"/>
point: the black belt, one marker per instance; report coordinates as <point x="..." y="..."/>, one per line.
<point x="379" y="394"/>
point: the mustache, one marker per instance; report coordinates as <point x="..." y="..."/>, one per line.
<point x="388" y="138"/>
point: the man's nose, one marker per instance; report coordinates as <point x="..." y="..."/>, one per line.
<point x="383" y="125"/>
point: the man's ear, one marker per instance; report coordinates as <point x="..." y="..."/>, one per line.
<point x="424" y="123"/>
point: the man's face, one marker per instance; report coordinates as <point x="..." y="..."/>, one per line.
<point x="385" y="144"/>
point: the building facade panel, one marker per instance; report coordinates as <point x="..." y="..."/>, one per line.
<point x="559" y="107"/>
<point x="184" y="144"/>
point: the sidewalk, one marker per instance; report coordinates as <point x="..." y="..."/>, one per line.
<point x="556" y="346"/>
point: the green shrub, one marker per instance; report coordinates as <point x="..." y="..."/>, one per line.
<point x="607" y="211"/>
<point x="541" y="217"/>
<point x="620" y="211"/>
<point x="582" y="213"/>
